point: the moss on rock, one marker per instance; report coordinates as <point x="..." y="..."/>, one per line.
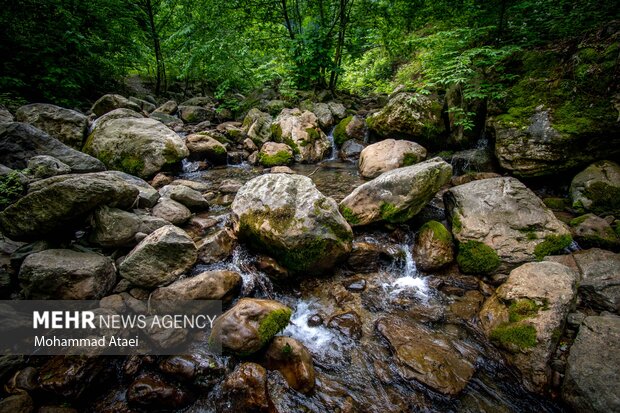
<point x="272" y="324"/>
<point x="349" y="215"/>
<point x="280" y="158"/>
<point x="552" y="244"/>
<point x="439" y="231"/>
<point x="475" y="257"/>
<point x="340" y="132"/>
<point x="514" y="337"/>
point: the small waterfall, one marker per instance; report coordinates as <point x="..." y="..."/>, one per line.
<point x="406" y="272"/>
<point x="334" y="153"/>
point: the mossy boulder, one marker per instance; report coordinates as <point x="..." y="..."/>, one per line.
<point x="434" y="247"/>
<point x="410" y="116"/>
<point x="597" y="189"/>
<point x="249" y="325"/>
<point x="61" y="204"/>
<point x="286" y="217"/>
<point x="301" y="131"/>
<point x="275" y="154"/>
<point x="109" y="102"/>
<point x="204" y="146"/>
<point x="66" y="125"/>
<point x="526" y="316"/>
<point x="195" y="114"/>
<point x="475" y="257"/>
<point x="389" y="154"/>
<point x="508" y="218"/>
<point x="141" y="147"/>
<point x="257" y="125"/>
<point x="396" y="195"/>
<point x="352" y="127"/>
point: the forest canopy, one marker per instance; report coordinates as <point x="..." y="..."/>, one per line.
<point x="67" y="51"/>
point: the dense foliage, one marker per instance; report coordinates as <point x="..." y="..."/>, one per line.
<point x="67" y="50"/>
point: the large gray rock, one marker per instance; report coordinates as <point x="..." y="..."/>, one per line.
<point x="60" y="203"/>
<point x="107" y="103"/>
<point x="168" y="108"/>
<point x="389" y="154"/>
<point x="187" y="196"/>
<point x="396" y="195"/>
<point x="257" y="125"/>
<point x="147" y="195"/>
<point x="301" y="131"/>
<point x="20" y="141"/>
<point x="597" y="189"/>
<point x="44" y="166"/>
<point x="539" y="149"/>
<point x="505" y="215"/>
<point x="591" y="382"/>
<point x="113" y="227"/>
<point x="600" y="279"/>
<point x="147" y="107"/>
<point x="140" y="147"/>
<point x="250" y="325"/>
<point x="66" y="125"/>
<point x="202" y="146"/>
<point x="409" y="115"/>
<point x="351" y="150"/>
<point x="195" y="114"/>
<point x="160" y="258"/>
<point x="172" y="211"/>
<point x="209" y="285"/>
<point x="323" y="114"/>
<point x="66" y="275"/>
<point x="527" y="315"/>
<point x="5" y="115"/>
<point x="288" y="218"/>
<point x="428" y="356"/>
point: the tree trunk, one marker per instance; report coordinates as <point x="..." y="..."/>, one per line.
<point x="339" y="45"/>
<point x="159" y="59"/>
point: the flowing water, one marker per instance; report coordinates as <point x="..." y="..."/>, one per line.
<point x="360" y="374"/>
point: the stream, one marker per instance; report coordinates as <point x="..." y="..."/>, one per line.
<point x="355" y="368"/>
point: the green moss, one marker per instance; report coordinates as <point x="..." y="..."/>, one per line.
<point x="340" y="133"/>
<point x="170" y="153"/>
<point x="552" y="244"/>
<point x="529" y="232"/>
<point x="439" y="231"/>
<point x="605" y="198"/>
<point x="445" y="155"/>
<point x="515" y="336"/>
<point x="11" y="189"/>
<point x="132" y="165"/>
<point x="457" y="226"/>
<point x="391" y="213"/>
<point x="276" y="132"/>
<point x="272" y="324"/>
<point x="522" y="309"/>
<point x="579" y="220"/>
<point x="219" y="150"/>
<point x="349" y="215"/>
<point x="556" y="204"/>
<point x="313" y="134"/>
<point x="410" y="158"/>
<point x="291" y="143"/>
<point x="475" y="257"/>
<point x="280" y="158"/>
<point x="287" y="350"/>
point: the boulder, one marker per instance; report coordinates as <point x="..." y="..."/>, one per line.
<point x="599" y="287"/>
<point x="151" y="391"/>
<point x="198" y="101"/>
<point x="323" y="114"/>
<point x="389" y="154"/>
<point x="170" y="121"/>
<point x="428" y="356"/>
<point x="66" y="275"/>
<point x="257" y="125"/>
<point x="597" y="189"/>
<point x="216" y="247"/>
<point x="274" y="106"/>
<point x="66" y="125"/>
<point x="20" y="141"/>
<point x="44" y="166"/>
<point x="526" y="317"/>
<point x="140" y="147"/>
<point x="338" y="109"/>
<point x="187" y="196"/>
<point x="411" y="116"/>
<point x="293" y="360"/>
<point x="168" y="108"/>
<point x="301" y="131"/>
<point x="249" y="325"/>
<point x="5" y="115"/>
<point x="202" y="146"/>
<point x="107" y="103"/>
<point x="69" y="378"/>
<point x="160" y="258"/>
<point x="113" y="227"/>
<point x="396" y="195"/>
<point x="286" y="217"/>
<point x="351" y="150"/>
<point x="245" y="390"/>
<point x="591" y="381"/>
<point x="17" y="403"/>
<point x="591" y="231"/>
<point x="275" y="154"/>
<point x="147" y="195"/>
<point x="209" y="285"/>
<point x="119" y="113"/>
<point x="195" y="114"/>
<point x="146" y="107"/>
<point x="502" y="223"/>
<point x="353" y="127"/>
<point x="472" y="160"/>
<point x="61" y="203"/>
<point x="172" y="211"/>
<point x="433" y="247"/>
<point x="538" y="148"/>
